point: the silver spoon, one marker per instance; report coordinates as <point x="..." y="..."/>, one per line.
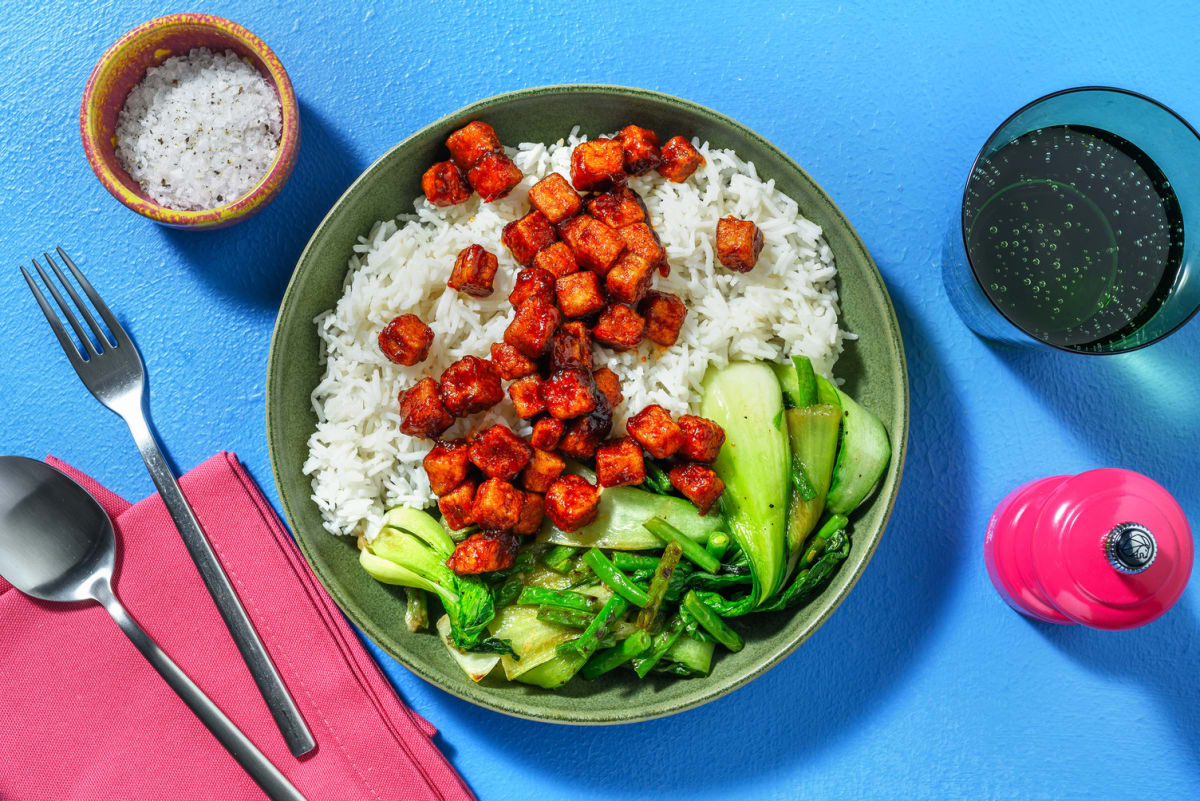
<point x="57" y="544"/>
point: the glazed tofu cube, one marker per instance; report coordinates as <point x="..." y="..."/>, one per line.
<point x="597" y="165"/>
<point x="619" y="327"/>
<point x="555" y="198"/>
<point x="406" y="340"/>
<point x="447" y="465"/>
<point x="620" y="463"/>
<point x="532" y="282"/>
<point x="444" y="184"/>
<point x="679" y="160"/>
<point x="595" y="246"/>
<point x="556" y="258"/>
<point x="569" y="393"/>
<point x="579" y="294"/>
<point x="664" y="315"/>
<point x="470" y="143"/>
<point x="655" y="431"/>
<point x="639" y="148"/>
<point x="609" y="385"/>
<point x="483" y="552"/>
<point x="702" y="438"/>
<point x="470" y="385"/>
<point x="473" y="271"/>
<point x="526" y="236"/>
<point x="499" y="453"/>
<point x="699" y="483"/>
<point x="532" y="514"/>
<point x="571" y="503"/>
<point x="543" y="470"/>
<point x="422" y="410"/>
<point x="526" y="397"/>
<point x="497" y="505"/>
<point x="533" y="323"/>
<point x="618" y="208"/>
<point x="547" y="431"/>
<point x="571" y="347"/>
<point x="629" y="279"/>
<point x="494" y="176"/>
<point x="640" y="238"/>
<point x="510" y="362"/>
<point x="584" y="434"/>
<point x="456" y="505"/>
<point x="738" y="243"/>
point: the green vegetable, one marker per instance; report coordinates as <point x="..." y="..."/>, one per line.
<point x="554" y="672"/>
<point x="712" y="622"/>
<point x="656" y="479"/>
<point x="621" y="513"/>
<point x="415" y="557"/>
<point x="476" y="666"/>
<point x="616" y="581"/>
<point x="572" y="618"/>
<point x="827" y="393"/>
<point x="659" y="583"/>
<point x="717" y="545"/>
<point x="755" y="463"/>
<point x="861" y="460"/>
<point x="808" y="582"/>
<point x="658" y="647"/>
<point x="559" y="558"/>
<point x="587" y="643"/>
<point x="507" y="591"/>
<point x="416" y="609"/>
<point x="693" y="550"/>
<point x="797" y="381"/>
<point x="565" y="599"/>
<point x="801" y="485"/>
<point x="633" y="562"/>
<point x="688" y="657"/>
<point x="604" y="661"/>
<point x="813" y="432"/>
<point x="817" y="545"/>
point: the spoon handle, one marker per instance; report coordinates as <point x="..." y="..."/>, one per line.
<point x="265" y="775"/>
<point x="270" y="684"/>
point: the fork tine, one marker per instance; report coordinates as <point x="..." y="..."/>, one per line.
<point x="64" y="339"/>
<point x="66" y="310"/>
<point x="113" y="326"/>
<point x="101" y="338"/>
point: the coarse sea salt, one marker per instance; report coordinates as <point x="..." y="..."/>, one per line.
<point x="199" y="131"/>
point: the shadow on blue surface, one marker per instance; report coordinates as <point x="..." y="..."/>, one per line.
<point x="834" y="681"/>
<point x="1162" y="657"/>
<point x="229" y="259"/>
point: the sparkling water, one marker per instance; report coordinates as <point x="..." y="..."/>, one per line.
<point x="1075" y="234"/>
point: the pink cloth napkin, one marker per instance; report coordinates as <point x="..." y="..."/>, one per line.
<point x="83" y="716"/>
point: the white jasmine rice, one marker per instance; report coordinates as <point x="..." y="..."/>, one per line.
<point x="199" y="131"/>
<point x="359" y="461"/>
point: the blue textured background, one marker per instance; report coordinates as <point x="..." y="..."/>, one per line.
<point x="923" y="684"/>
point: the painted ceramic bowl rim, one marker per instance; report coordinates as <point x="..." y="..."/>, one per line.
<point x="707" y="689"/>
<point x="242" y="207"/>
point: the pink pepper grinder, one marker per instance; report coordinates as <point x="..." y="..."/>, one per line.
<point x="1109" y="548"/>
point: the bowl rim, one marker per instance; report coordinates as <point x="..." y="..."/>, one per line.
<point x="712" y="691"/>
<point x="253" y="200"/>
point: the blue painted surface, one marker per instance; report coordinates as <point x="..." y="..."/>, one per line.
<point x="923" y="684"/>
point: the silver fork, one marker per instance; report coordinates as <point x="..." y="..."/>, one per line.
<point x="112" y="370"/>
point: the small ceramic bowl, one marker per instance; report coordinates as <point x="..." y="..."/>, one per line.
<point x="123" y="66"/>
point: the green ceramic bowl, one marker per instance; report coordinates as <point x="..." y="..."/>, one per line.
<point x="873" y="366"/>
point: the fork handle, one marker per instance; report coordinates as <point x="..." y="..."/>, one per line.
<point x="239" y="746"/>
<point x="287" y="717"/>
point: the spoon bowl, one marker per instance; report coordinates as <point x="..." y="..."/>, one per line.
<point x="61" y="562"/>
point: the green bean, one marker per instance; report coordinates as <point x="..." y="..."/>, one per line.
<point x="816" y="545"/>
<point x="631" y="562"/>
<point x="661" y="644"/>
<point x="592" y="637"/>
<point x="540" y="596"/>
<point x="693" y="550"/>
<point x="627" y="649"/>
<point x="617" y="581"/>
<point x="565" y="617"/>
<point x="717" y="545"/>
<point x="712" y="622"/>
<point x="558" y="558"/>
<point x="656" y="479"/>
<point x="659" y="584"/>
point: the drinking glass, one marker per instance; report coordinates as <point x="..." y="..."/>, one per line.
<point x="1080" y="225"/>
